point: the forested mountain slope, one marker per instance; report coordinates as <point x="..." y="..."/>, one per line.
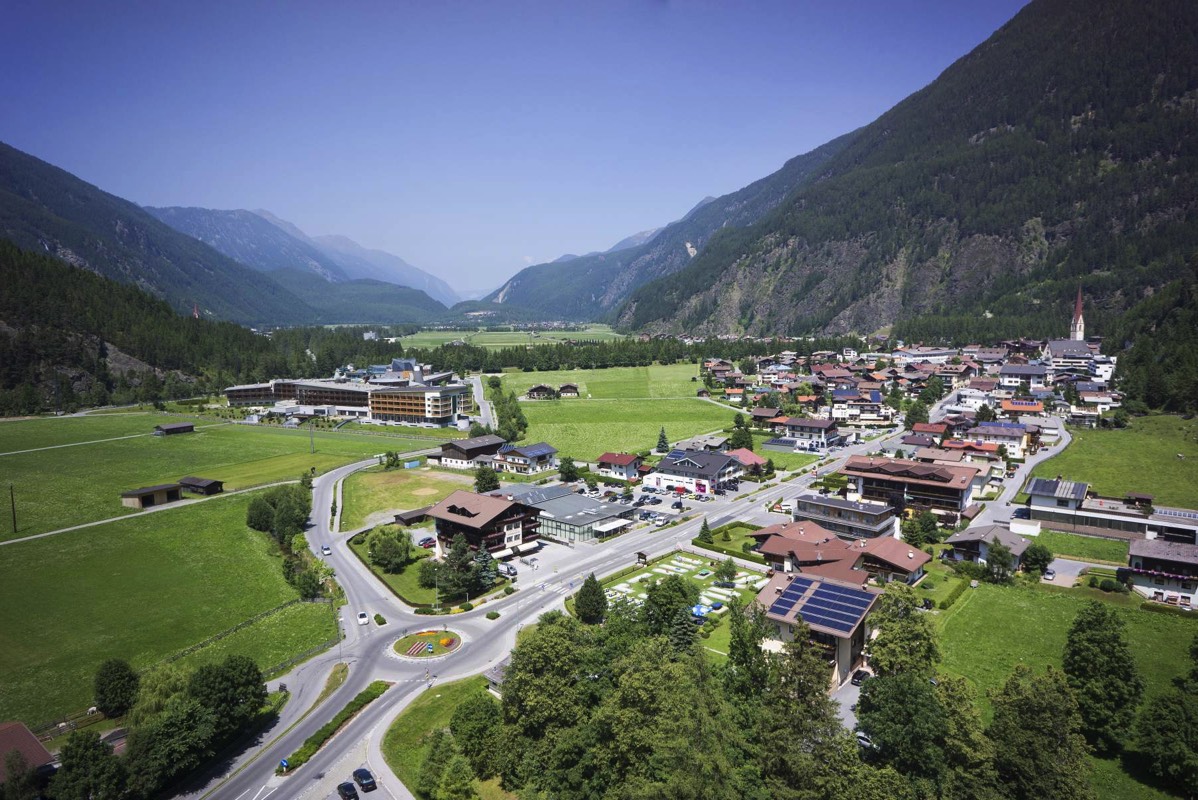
<point x="47" y="209"/>
<point x="364" y="301"/>
<point x="1061" y="151"/>
<point x="594" y="285"/>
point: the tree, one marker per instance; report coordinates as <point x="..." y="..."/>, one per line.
<point x="1000" y="563"/>
<point x="430" y="572"/>
<point x="89" y="770"/>
<point x="748" y="666"/>
<point x="485" y="479"/>
<point x="485" y="572"/>
<point x="477" y="726"/>
<point x="305" y="480"/>
<point x="308" y="584"/>
<point x="726" y="571"/>
<point x="904" y="718"/>
<point x="567" y="469"/>
<point x="748" y="366"/>
<point x="21" y="781"/>
<point x="389" y="549"/>
<point x="590" y="481"/>
<point x="1101" y="670"/>
<point x="455" y="572"/>
<point x="741" y="438"/>
<point x="664" y="598"/>
<point x="1037" y="557"/>
<point x="172" y="744"/>
<point x="933" y="390"/>
<point x="1166" y="736"/>
<point x="1038" y="746"/>
<point x="478" y="429"/>
<point x="233" y="691"/>
<point x="260" y="515"/>
<point x="157" y="687"/>
<point x="591" y="603"/>
<point x="115" y="687"/>
<point x="905" y="640"/>
<point x="918" y="412"/>
<point x="663" y="444"/>
<point x="682" y="631"/>
<point x="968" y="753"/>
<point x="440" y="750"/>
<point x="704" y="536"/>
<point x="985" y="414"/>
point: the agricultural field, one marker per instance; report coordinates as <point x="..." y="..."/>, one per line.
<point x="499" y="339"/>
<point x="991" y="629"/>
<point x="66" y="486"/>
<point x="139" y="589"/>
<point x="1141" y="458"/>
<point x="615" y="383"/>
<point x="374" y="490"/>
<point x="585" y="429"/>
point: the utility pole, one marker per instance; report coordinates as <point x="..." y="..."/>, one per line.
<point x="12" y="500"/>
<point x="311" y="436"/>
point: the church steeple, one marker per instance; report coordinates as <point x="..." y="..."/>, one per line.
<point x="1077" y="329"/>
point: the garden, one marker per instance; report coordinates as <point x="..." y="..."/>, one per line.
<point x="368" y="492"/>
<point x="428" y="644"/>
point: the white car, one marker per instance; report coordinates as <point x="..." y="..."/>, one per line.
<point x="363" y="618"/>
<point x="325" y="550"/>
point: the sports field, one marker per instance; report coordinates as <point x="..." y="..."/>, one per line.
<point x="139" y="589"/>
<point x="991" y="629"/>
<point x="615" y="383"/>
<point x="1141" y="458"/>
<point x="375" y="489"/>
<point x="65" y="486"/>
<point x="499" y="339"/>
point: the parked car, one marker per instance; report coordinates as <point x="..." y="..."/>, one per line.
<point x="531" y="561"/>
<point x="860" y="677"/>
<point x="507" y="569"/>
<point x="659" y="522"/>
<point x="865" y="742"/>
<point x="654" y="501"/>
<point x="1049" y="574"/>
<point x="346" y="791"/>
<point x="363" y="618"/>
<point x="325" y="550"/>
<point x="364" y="779"/>
<point x="427" y="542"/>
<point x="676" y="504"/>
<point x="723" y="584"/>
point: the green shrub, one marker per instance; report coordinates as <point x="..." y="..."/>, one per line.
<point x="953" y="596"/>
<point x="1093" y="582"/>
<point x="425" y="610"/>
<point x="314" y="742"/>
<point x="509" y="589"/>
<point x="703" y="634"/>
<point x="379" y="620"/>
<point x="360" y="539"/>
<point x="467" y="606"/>
<point x="492" y="615"/>
<point x="1108" y="585"/>
<point x="1160" y="608"/>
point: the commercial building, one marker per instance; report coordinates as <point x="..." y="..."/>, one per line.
<point x="567" y="516"/>
<point x="1072" y="507"/>
<point x="692" y="471"/>
<point x="904" y="484"/>
<point x="421" y="405"/>
<point x="502" y="527"/>
<point x="852" y="519"/>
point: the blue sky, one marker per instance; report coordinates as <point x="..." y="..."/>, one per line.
<point x="468" y="138"/>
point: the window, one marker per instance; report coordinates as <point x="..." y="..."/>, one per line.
<point x="1062" y="503"/>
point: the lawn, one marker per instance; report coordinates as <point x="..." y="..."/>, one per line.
<point x="500" y="339"/>
<point x="274" y="640"/>
<point x="1086" y="548"/>
<point x="373" y="490"/>
<point x="738" y="536"/>
<point x="616" y="383"/>
<point x="405" y="745"/>
<point x="405" y="584"/>
<point x="1140" y="458"/>
<point x="24" y="434"/>
<point x="402" y="432"/>
<point x="71" y="485"/>
<point x="138" y="589"/>
<point x="991" y="629"/>
<point x="585" y="429"/>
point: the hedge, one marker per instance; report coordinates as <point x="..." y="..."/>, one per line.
<point x="954" y="595"/>
<point x="316" y="741"/>
<point x="1158" y="608"/>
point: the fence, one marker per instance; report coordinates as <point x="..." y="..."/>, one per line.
<point x="71" y="722"/>
<point x="281" y="668"/>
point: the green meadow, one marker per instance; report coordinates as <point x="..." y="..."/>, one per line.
<point x="615" y="383"/>
<point x="501" y="339"/>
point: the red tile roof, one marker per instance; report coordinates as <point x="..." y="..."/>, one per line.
<point x="619" y="459"/>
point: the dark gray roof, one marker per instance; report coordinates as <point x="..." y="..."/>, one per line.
<point x="1066" y="490"/>
<point x="991" y="534"/>
<point x="1165" y="551"/>
<point x="1034" y="370"/>
<point x="1068" y="348"/>
<point x="531" y="495"/>
<point x="832" y="501"/>
<point x="162" y="487"/>
<point x="697" y="464"/>
<point x="203" y="483"/>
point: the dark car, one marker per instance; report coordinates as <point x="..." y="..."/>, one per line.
<point x="346" y="791"/>
<point x="363" y="778"/>
<point x="860" y="677"/>
<point x="723" y="584"/>
<point x="654" y="501"/>
<point x="676" y="504"/>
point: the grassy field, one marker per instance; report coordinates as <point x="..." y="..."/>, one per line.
<point x="738" y="536"/>
<point x="405" y="746"/>
<point x="499" y="339"/>
<point x="991" y="629"/>
<point x="1141" y="458"/>
<point x="405" y="584"/>
<point x="585" y="429"/>
<point x="68" y="486"/>
<point x="139" y="589"/>
<point x="615" y="383"/>
<point x="1086" y="548"/>
<point x="401" y="432"/>
<point x="372" y="490"/>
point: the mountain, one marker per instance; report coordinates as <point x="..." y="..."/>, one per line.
<point x="355" y="261"/>
<point x="593" y="286"/>
<point x="359" y="301"/>
<point x="1061" y="151"/>
<point x="47" y="209"/>
<point x="250" y="239"/>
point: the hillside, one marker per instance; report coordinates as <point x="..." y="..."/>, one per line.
<point x="249" y="239"/>
<point x="1060" y="152"/>
<point x="364" y="301"/>
<point x="593" y="286"/>
<point x="47" y="209"/>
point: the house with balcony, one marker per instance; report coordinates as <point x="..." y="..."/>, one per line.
<point x="1163" y="571"/>
<point x="469" y="453"/>
<point x="619" y="465"/>
<point x="528" y="459"/>
<point x="944" y="490"/>
<point x="502" y="527"/>
<point x="694" y="471"/>
<point x="848" y="518"/>
<point x="973" y="544"/>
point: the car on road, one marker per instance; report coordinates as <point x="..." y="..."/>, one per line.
<point x="1049" y="574"/>
<point x="427" y="542"/>
<point x="364" y="779"/>
<point x="860" y="677"/>
<point x="363" y="618"/>
<point x="325" y="550"/>
<point x="346" y="791"/>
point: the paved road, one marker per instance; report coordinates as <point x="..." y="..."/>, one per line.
<point x="485" y="414"/>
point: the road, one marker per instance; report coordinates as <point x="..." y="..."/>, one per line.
<point x="485" y="415"/>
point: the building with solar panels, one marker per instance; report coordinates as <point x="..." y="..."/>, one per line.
<point x="525" y="460"/>
<point x="836" y="615"/>
<point x="1073" y="507"/>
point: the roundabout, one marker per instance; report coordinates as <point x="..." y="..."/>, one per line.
<point x="426" y="645"/>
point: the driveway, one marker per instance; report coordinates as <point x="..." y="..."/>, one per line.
<point x="846" y="697"/>
<point x="1069" y="570"/>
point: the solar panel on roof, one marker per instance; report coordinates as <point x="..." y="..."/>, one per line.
<point x="674" y="455"/>
<point x="783" y="605"/>
<point x="824" y="622"/>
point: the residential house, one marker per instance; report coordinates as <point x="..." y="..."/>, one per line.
<point x="753" y="464"/>
<point x="1012" y="376"/>
<point x="503" y="527"/>
<point x="811" y="549"/>
<point x="712" y="443"/>
<point x="15" y="737"/>
<point x="568" y="390"/>
<point x="1009" y="434"/>
<point x="694" y="471"/>
<point x="807" y="433"/>
<point x="1014" y="409"/>
<point x="848" y="519"/>
<point x="526" y="459"/>
<point x="973" y="544"/>
<point x="1164" y="571"/>
<point x="904" y="484"/>
<point x="469" y="453"/>
<point x="761" y="416"/>
<point x="541" y="392"/>
<point x="619" y="465"/>
<point x="936" y="430"/>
